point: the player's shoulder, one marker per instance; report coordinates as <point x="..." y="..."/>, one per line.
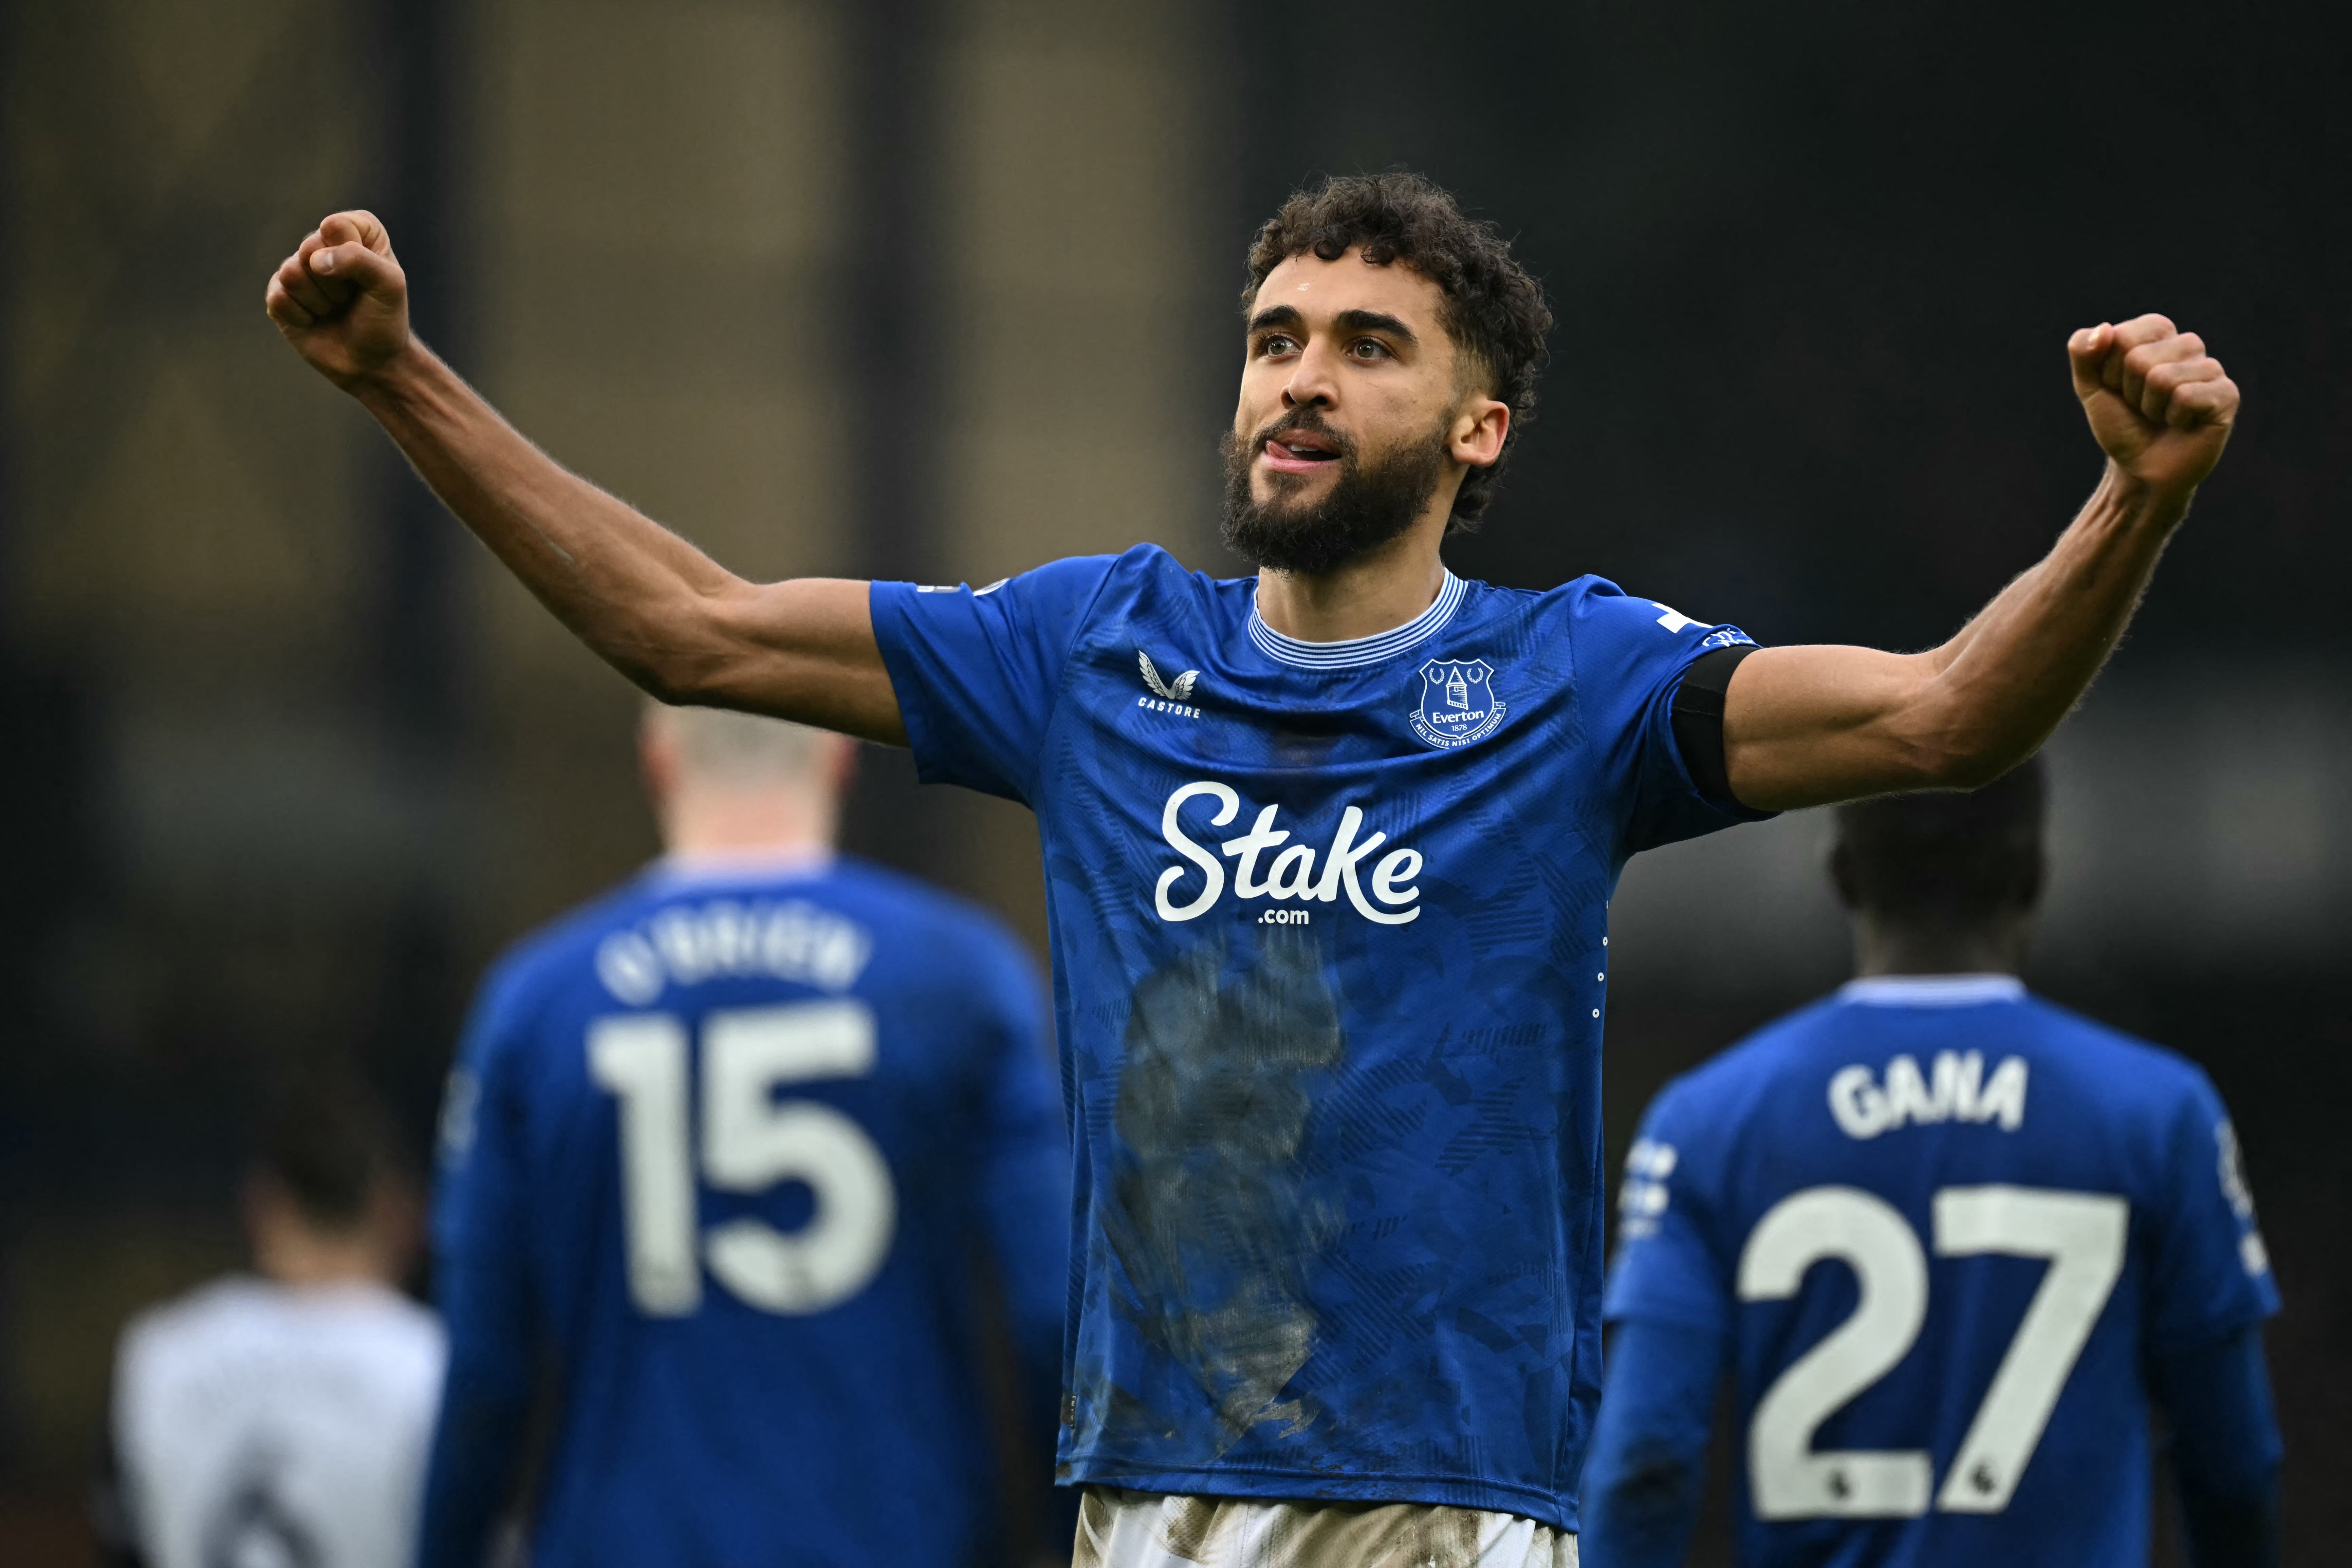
<point x="1140" y="567"/>
<point x="1735" y="1082"/>
<point x="191" y="1330"/>
<point x="1606" y="622"/>
<point x="1146" y="577"/>
<point x="847" y="924"/>
<point x="164" y="1345"/>
<point x="2098" y="1068"/>
<point x="1141" y="588"/>
<point x="206" y="1310"/>
<point x="2117" y="1068"/>
<point x="550" y="957"/>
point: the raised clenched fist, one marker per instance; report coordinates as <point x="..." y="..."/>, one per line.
<point x="2160" y="404"/>
<point x="341" y="299"/>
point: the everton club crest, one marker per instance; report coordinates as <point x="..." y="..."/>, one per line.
<point x="1458" y="703"/>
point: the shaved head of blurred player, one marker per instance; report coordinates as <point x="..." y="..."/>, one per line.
<point x="1944" y="883"/>
<point x="727" y="783"/>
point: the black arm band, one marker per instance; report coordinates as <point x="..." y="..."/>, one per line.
<point x="1698" y="723"/>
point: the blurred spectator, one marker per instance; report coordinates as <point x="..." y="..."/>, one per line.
<point x="279" y="1421"/>
<point x="727" y="1150"/>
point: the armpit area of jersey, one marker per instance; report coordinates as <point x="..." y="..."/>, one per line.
<point x="1698" y="724"/>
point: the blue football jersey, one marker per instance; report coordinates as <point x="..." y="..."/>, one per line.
<point x="725" y="1149"/>
<point x="1942" y="1226"/>
<point x="1329" y="924"/>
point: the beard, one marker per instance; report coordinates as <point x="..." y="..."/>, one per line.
<point x="1370" y="503"/>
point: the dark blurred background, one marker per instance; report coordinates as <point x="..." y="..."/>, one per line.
<point x="942" y="289"/>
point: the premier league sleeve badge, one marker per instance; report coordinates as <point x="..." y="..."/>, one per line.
<point x="1458" y="703"/>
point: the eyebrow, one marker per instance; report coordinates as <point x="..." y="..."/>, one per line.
<point x="1287" y="316"/>
<point x="1375" y="321"/>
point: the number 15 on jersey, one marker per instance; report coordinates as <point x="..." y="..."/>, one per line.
<point x="751" y="1140"/>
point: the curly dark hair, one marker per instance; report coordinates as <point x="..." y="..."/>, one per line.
<point x="1495" y="310"/>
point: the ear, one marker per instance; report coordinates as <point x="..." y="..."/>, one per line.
<point x="1476" y="436"/>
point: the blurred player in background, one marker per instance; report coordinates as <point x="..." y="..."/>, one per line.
<point x="1949" y="1241"/>
<point x="1329" y="849"/>
<point x="282" y="1420"/>
<point x="728" y="1150"/>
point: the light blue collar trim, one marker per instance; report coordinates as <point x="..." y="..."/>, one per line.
<point x="1357" y="651"/>
<point x="1933" y="991"/>
<point x="781" y="864"/>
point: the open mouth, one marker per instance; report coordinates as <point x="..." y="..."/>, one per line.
<point x="1299" y="452"/>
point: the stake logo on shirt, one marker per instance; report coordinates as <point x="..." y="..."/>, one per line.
<point x="1292" y="874"/>
<point x="1458" y="703"/>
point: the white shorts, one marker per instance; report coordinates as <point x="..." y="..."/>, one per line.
<point x="1153" y="1530"/>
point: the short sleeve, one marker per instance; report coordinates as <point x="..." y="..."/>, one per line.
<point x="977" y="671"/>
<point x="1632" y="654"/>
<point x="2208" y="1272"/>
<point x="1666" y="1271"/>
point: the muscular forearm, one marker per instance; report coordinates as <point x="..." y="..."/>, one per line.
<point x="1804" y="727"/>
<point x="2004" y="683"/>
<point x="657" y="609"/>
<point x="660" y="610"/>
<point x="632" y="589"/>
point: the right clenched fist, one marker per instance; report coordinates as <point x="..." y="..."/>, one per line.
<point x="341" y="299"/>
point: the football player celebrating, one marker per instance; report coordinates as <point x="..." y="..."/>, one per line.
<point x="723" y="1151"/>
<point x="2026" y="1229"/>
<point x="1329" y="849"/>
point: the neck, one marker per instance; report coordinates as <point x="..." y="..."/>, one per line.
<point x="1880" y="948"/>
<point x="720" y="824"/>
<point x="305" y="1258"/>
<point x="1374" y="594"/>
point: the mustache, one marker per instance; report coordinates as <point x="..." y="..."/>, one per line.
<point x="1304" y="420"/>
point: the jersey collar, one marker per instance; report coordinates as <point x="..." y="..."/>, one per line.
<point x="741" y="865"/>
<point x="1356" y="651"/>
<point x="1932" y="991"/>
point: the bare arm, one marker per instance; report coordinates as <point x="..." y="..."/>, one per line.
<point x="1806" y="726"/>
<point x="656" y="607"/>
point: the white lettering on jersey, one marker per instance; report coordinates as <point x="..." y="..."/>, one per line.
<point x="1956" y="1089"/>
<point x="2231" y="1168"/>
<point x="1645" y="1195"/>
<point x="686" y="944"/>
<point x="1673" y="620"/>
<point x="1292" y="873"/>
